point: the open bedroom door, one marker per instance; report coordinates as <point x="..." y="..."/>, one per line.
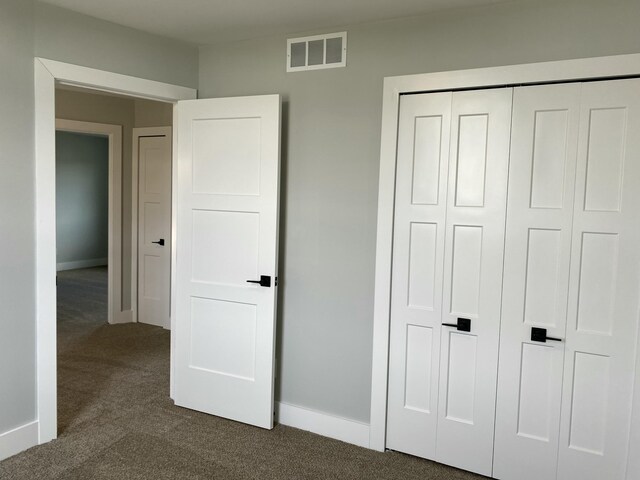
<point x="227" y="245"/>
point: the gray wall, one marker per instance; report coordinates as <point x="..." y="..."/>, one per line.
<point x="17" y="210"/>
<point x="73" y="38"/>
<point x="82" y="197"/>
<point x="82" y="40"/>
<point x="331" y="157"/>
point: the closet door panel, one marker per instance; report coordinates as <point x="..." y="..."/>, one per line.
<point x="604" y="284"/>
<point x="480" y="132"/>
<point x="536" y="279"/>
<point x="416" y="304"/>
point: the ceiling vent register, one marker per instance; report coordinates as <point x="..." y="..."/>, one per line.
<point x="317" y="52"/>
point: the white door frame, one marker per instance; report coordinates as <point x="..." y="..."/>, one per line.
<point x="46" y="74"/>
<point x="135" y="187"/>
<point x="547" y="72"/>
<point x="114" y="136"/>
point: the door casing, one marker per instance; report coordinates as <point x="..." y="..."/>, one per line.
<point x="601" y="68"/>
<point x="48" y="73"/>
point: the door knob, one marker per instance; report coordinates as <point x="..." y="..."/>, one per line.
<point x="540" y="335"/>
<point x="265" y="281"/>
<point x="463" y="325"/>
<point x="160" y="242"/>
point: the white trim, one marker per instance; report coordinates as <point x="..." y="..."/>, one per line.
<point x="92" y="262"/>
<point x="19" y="439"/>
<point x="174" y="243"/>
<point x="135" y="188"/>
<point x="101" y="80"/>
<point x="558" y="71"/>
<point x="46" y="74"/>
<point x="114" y="259"/>
<point x="323" y="424"/>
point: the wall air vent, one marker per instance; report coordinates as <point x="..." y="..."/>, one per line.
<point x="316" y="52"/>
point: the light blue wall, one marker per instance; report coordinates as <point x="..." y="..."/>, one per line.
<point x="331" y="161"/>
<point x="17" y="210"/>
<point x="82" y="197"/>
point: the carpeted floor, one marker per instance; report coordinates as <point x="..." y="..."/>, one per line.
<point x="117" y="422"/>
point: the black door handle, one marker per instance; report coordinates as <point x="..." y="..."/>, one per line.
<point x="540" y="335"/>
<point x="160" y="242"/>
<point x="265" y="281"/>
<point x="463" y="325"/>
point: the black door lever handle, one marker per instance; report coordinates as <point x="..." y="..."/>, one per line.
<point x="265" y="281"/>
<point x="160" y="242"/>
<point x="540" y="335"/>
<point x="463" y="325"/>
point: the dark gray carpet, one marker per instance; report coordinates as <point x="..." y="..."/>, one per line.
<point x="117" y="422"/>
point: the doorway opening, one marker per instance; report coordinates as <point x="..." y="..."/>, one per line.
<point x="110" y="150"/>
<point x="48" y="74"/>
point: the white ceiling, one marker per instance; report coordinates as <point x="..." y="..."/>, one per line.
<point x="212" y="21"/>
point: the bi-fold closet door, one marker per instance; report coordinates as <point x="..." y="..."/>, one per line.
<point x="572" y="267"/>
<point x="560" y="398"/>
<point x="453" y="152"/>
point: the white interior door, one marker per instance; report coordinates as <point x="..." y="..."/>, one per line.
<point x="154" y="225"/>
<point x="227" y="235"/>
<point x="604" y="300"/>
<point x="536" y="279"/>
<point x="453" y="154"/>
<point x="418" y="253"/>
<point x="480" y="132"/>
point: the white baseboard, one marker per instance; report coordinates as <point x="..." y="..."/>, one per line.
<point x="92" y="262"/>
<point x="19" y="439"/>
<point x="323" y="424"/>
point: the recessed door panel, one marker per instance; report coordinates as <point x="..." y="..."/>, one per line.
<point x="223" y="338"/>
<point x="535" y="393"/>
<point x="466" y="270"/>
<point x="461" y="384"/>
<point x="542" y="278"/>
<point x="419" y="348"/>
<point x="227" y="156"/>
<point x="472" y="159"/>
<point x="550" y="143"/>
<point x="605" y="153"/>
<point x="225" y="247"/>
<point x="422" y="265"/>
<point x="597" y="279"/>
<point x="426" y="160"/>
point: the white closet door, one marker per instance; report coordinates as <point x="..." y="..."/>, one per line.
<point x="416" y="304"/>
<point x="536" y="279"/>
<point x="476" y="208"/>
<point x="604" y="286"/>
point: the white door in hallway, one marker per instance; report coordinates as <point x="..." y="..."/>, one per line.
<point x="153" y="151"/>
<point x="227" y="242"/>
